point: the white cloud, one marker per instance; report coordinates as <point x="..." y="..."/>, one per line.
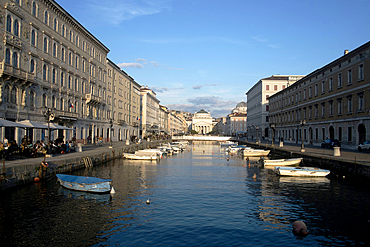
<point x="132" y="65"/>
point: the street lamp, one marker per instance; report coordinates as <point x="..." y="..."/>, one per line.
<point x="272" y="125"/>
<point x="302" y="123"/>
<point x="111" y="129"/>
<point x="48" y="115"/>
<point x="257" y="140"/>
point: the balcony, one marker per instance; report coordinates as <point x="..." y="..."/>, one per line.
<point x="66" y="115"/>
<point x="93" y="100"/>
<point x="16" y="74"/>
<point x="121" y="122"/>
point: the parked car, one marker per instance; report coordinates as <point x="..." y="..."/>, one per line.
<point x="330" y="143"/>
<point x="364" y="146"/>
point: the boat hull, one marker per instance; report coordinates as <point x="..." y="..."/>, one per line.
<point x="301" y="171"/>
<point x="139" y="157"/>
<point x="255" y="153"/>
<point x="283" y="162"/>
<point x="86" y="184"/>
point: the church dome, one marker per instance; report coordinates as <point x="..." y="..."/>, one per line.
<point x="241" y="104"/>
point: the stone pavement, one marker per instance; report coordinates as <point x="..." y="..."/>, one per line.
<point x="351" y="156"/>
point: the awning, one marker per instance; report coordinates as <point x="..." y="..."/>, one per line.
<point x="7" y="123"/>
<point x="59" y="127"/>
<point x="31" y="124"/>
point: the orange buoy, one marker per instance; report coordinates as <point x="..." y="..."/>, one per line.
<point x="254" y="176"/>
<point x="300" y="228"/>
<point x="36" y="179"/>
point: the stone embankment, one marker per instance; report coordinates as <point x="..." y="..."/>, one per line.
<point x="23" y="171"/>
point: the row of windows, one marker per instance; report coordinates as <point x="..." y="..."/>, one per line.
<point x="302" y="95"/>
<point x="63" y="31"/>
<point x="313" y="111"/>
<point x="267" y="87"/>
<point x="287" y="134"/>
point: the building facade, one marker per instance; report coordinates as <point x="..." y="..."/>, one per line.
<point x="258" y="103"/>
<point x="202" y="122"/>
<point x="50" y="61"/>
<point x="124" y="102"/>
<point x="331" y="102"/>
<point x="149" y="111"/>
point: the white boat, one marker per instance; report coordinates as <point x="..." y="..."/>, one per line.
<point x="283" y="162"/>
<point x="235" y="149"/>
<point x="150" y="152"/>
<point x="251" y="152"/>
<point x="228" y="143"/>
<point x="301" y="171"/>
<point x="139" y="157"/>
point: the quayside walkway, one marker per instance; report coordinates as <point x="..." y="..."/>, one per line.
<point x="24" y="170"/>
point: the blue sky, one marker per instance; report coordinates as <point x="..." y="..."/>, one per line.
<point x="206" y="54"/>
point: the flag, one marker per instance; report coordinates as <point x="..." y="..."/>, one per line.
<point x="71" y="105"/>
<point x="138" y="118"/>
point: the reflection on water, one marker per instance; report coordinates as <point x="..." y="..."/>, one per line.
<point x="200" y="197"/>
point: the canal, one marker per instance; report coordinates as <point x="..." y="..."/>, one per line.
<point x="198" y="198"/>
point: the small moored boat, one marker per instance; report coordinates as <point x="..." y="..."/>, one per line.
<point x="87" y="184"/>
<point x="283" y="162"/>
<point x="140" y="157"/>
<point x="301" y="171"/>
<point x="251" y="152"/>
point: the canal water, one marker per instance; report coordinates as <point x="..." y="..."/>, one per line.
<point x="197" y="198"/>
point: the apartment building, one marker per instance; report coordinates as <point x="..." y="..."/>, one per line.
<point x="123" y="99"/>
<point x="258" y="103"/>
<point x="330" y="102"/>
<point x="50" y="61"/>
<point x="149" y="111"/>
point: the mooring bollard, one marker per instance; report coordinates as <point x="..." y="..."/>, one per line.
<point x="336" y="151"/>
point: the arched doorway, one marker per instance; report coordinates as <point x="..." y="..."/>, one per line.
<point x="310" y="133"/>
<point x="361" y="133"/>
<point x="331" y="132"/>
<point x="267" y="132"/>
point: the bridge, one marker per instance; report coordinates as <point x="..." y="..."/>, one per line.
<point x="202" y="138"/>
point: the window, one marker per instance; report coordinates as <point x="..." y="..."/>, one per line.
<point x="13" y="95"/>
<point x="46" y="18"/>
<point x="33" y="37"/>
<point x="44" y="72"/>
<point x="304" y="94"/>
<point x="339" y="106"/>
<point x="331" y="108"/>
<point x="7" y="56"/>
<point x="16" y="28"/>
<point x="310" y="92"/>
<point x="76" y="84"/>
<point x="63" y="54"/>
<point x="9" y="23"/>
<point x="275" y="87"/>
<point x="310" y="112"/>
<point x="361" y="102"/>
<point x="340" y="133"/>
<point x="62" y="79"/>
<point x="45" y="44"/>
<point x="34" y="9"/>
<point x="349" y="105"/>
<point x="69" y="82"/>
<point x="63" y="30"/>
<point x="32" y="65"/>
<point x="53" y="79"/>
<point x="44" y="100"/>
<point x="55" y="50"/>
<point x="317" y="133"/>
<point x="15" y="60"/>
<point x="360" y="72"/>
<point x="267" y="107"/>
<point x="316" y="89"/>
<point x="349" y="79"/>
<point x="316" y="111"/>
<point x="323" y="133"/>
<point x="70" y="58"/>
<point x="55" y="24"/>
<point x="283" y="87"/>
<point x="267" y="97"/>
<point x="267" y="87"/>
<point x="330" y="84"/>
<point x="323" y="87"/>
<point x="340" y="80"/>
<point x="32" y="99"/>
<point x="71" y="35"/>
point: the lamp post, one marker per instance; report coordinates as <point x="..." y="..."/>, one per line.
<point x="48" y="115"/>
<point x="302" y="123"/>
<point x="111" y="129"/>
<point x="272" y="125"/>
<point x="257" y="140"/>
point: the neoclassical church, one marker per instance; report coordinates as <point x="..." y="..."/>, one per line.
<point x="202" y="122"/>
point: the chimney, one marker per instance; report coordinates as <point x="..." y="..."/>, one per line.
<point x="345" y="52"/>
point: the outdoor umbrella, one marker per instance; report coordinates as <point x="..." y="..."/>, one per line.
<point x="59" y="127"/>
<point x="31" y="124"/>
<point x="7" y="123"/>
